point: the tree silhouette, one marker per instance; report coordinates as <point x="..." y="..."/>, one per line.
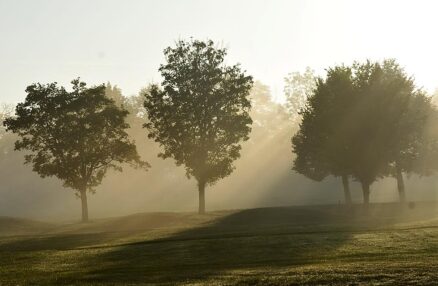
<point x="391" y="114"/>
<point x="322" y="145"/>
<point x="365" y="121"/>
<point x="426" y="156"/>
<point x="368" y="118"/>
<point x="404" y="120"/>
<point x="200" y="115"/>
<point x="75" y="136"/>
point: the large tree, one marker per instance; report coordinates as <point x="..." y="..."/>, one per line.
<point x="368" y="143"/>
<point x="426" y="157"/>
<point x="366" y="121"/>
<point x="391" y="114"/>
<point x="75" y="136"/>
<point x="199" y="115"/>
<point x="405" y="117"/>
<point x="322" y="144"/>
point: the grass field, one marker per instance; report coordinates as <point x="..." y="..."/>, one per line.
<point x="386" y="244"/>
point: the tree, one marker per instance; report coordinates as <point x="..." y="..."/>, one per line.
<point x="322" y="144"/>
<point x="366" y="112"/>
<point x="6" y="111"/>
<point x="132" y="104"/>
<point x="200" y="115"/>
<point x="391" y="114"/>
<point x="75" y="136"/>
<point x="297" y="88"/>
<point x="269" y="117"/>
<point x="368" y="119"/>
<point x="426" y="160"/>
<point x="115" y="93"/>
<point x="405" y="118"/>
<point x="365" y="121"/>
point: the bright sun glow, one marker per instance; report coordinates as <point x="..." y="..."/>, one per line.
<point x="48" y="40"/>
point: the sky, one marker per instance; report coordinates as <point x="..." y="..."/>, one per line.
<point x="122" y="41"/>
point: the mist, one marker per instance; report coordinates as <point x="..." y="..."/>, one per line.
<point x="231" y="142"/>
<point x="263" y="176"/>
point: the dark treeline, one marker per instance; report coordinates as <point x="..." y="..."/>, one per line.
<point x="366" y="122"/>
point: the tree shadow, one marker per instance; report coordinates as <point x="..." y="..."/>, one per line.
<point x="80" y="235"/>
<point x="247" y="239"/>
<point x="57" y="242"/>
<point x="264" y="238"/>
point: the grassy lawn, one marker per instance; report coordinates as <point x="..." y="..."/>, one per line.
<point x="386" y="244"/>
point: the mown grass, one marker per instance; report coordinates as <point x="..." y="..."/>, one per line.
<point x="387" y="244"/>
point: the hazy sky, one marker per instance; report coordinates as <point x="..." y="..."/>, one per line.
<point x="122" y="41"/>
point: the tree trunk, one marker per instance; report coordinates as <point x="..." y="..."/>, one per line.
<point x="346" y="189"/>
<point x="400" y="184"/>
<point x="366" y="193"/>
<point x="84" y="203"/>
<point x="201" y="189"/>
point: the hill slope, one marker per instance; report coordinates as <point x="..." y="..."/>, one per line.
<point x="386" y="244"/>
<point x="19" y="226"/>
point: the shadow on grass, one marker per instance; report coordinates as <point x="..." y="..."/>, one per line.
<point x="263" y="238"/>
<point x="247" y="239"/>
<point x="56" y="242"/>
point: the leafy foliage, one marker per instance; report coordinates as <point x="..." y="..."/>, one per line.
<point x="297" y="88"/>
<point x="76" y="136"/>
<point x="321" y="144"/>
<point x="367" y="121"/>
<point x="269" y="117"/>
<point x="201" y="113"/>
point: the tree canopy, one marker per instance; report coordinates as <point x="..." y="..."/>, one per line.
<point x="365" y="121"/>
<point x="200" y="114"/>
<point x="322" y="143"/>
<point x="75" y="136"/>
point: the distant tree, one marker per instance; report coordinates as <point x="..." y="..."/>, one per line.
<point x="269" y="117"/>
<point x="115" y="93"/>
<point x="132" y="104"/>
<point x="297" y="88"/>
<point x="322" y="144"/>
<point x="75" y="136"/>
<point x="200" y="115"/>
<point x="6" y="110"/>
